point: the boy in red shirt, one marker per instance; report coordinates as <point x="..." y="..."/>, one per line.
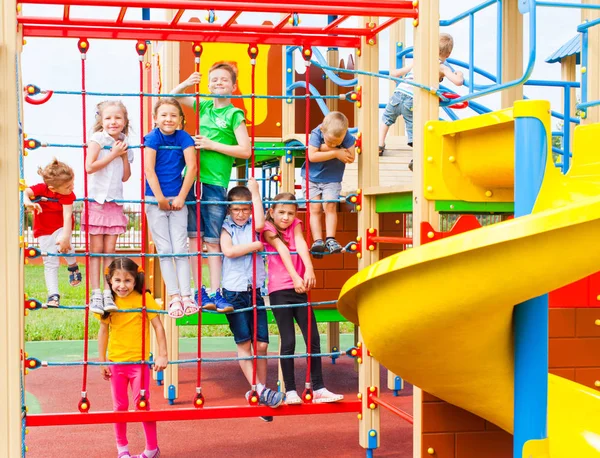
<point x="53" y="222"/>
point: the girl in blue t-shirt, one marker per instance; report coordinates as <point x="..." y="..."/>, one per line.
<point x="167" y="151"/>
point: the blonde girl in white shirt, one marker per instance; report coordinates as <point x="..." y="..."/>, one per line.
<point x="108" y="165"/>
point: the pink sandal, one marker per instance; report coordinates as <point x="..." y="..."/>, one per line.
<point x="175" y="308"/>
<point x="189" y="306"/>
<point x="124" y="455"/>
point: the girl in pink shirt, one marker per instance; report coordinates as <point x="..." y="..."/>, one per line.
<point x="290" y="277"/>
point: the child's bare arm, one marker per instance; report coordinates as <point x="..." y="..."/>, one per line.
<point x="235" y="251"/>
<point x="241" y="151"/>
<point x="102" y="345"/>
<point x="64" y="242"/>
<point x="455" y="77"/>
<point x="302" y="249"/>
<point x="93" y="164"/>
<point x="27" y="195"/>
<point x="162" y="358"/>
<point x="191" y="80"/>
<point x="190" y="162"/>
<point x="400" y="72"/>
<point x="152" y="178"/>
<point x="259" y="212"/>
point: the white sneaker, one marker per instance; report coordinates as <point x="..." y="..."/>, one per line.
<point x="97" y="303"/>
<point x="324" y="395"/>
<point x="292" y="398"/>
<point x="109" y="303"/>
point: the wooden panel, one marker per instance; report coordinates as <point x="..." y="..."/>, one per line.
<point x="442" y="445"/>
<point x="569" y="373"/>
<point x="562" y="323"/>
<point x="443" y="417"/>
<point x="586" y="322"/>
<point x="588" y="377"/>
<point x="575" y="352"/>
<point x="489" y="444"/>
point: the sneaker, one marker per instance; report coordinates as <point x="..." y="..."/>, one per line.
<point x="271" y="398"/>
<point x="333" y="246"/>
<point x="265" y="418"/>
<point x="97" y="303"/>
<point x="317" y="249"/>
<point x="221" y="304"/>
<point x="109" y="303"/>
<point x="208" y="303"/>
<point x="381" y="150"/>
<point x="292" y="398"/>
<point x="324" y="395"/>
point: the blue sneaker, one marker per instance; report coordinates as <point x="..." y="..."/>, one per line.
<point x="208" y="303"/>
<point x="271" y="398"/>
<point x="221" y="304"/>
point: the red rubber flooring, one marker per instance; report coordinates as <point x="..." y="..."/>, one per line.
<point x="330" y="435"/>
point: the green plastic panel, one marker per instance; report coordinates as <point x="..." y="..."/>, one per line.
<point x="322" y="315"/>
<point x="398" y="202"/>
<point x="459" y="206"/>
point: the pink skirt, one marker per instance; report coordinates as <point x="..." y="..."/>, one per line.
<point x="105" y="219"/>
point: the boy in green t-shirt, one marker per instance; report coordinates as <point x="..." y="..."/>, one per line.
<point x="223" y="137"/>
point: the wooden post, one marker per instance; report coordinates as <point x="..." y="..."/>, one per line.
<point x="425" y="108"/>
<point x="512" y="51"/>
<point x="11" y="267"/>
<point x="288" y="129"/>
<point x="171" y="77"/>
<point x="593" y="64"/>
<point x="368" y="176"/>
<point x="397" y="39"/>
<point x="568" y="68"/>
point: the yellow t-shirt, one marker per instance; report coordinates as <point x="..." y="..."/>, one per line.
<point x="125" y="329"/>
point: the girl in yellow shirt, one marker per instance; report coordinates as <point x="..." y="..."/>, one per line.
<point x="120" y="340"/>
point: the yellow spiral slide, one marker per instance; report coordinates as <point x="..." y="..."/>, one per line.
<point x="441" y="315"/>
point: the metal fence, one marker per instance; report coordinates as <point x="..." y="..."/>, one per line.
<point x="130" y="240"/>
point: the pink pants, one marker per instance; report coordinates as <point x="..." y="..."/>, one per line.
<point x="121" y="377"/>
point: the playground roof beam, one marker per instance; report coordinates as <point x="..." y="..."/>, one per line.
<point x="196" y="27"/>
<point x="387" y="8"/>
<point x="94" y="418"/>
<point x="218" y="36"/>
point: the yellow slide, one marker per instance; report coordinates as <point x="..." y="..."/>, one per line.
<point x="440" y="315"/>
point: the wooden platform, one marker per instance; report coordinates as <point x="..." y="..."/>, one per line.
<point x="393" y="169"/>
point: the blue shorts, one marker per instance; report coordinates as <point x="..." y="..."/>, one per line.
<point x="192" y="227"/>
<point x="400" y="105"/>
<point x="242" y="324"/>
<point x="211" y="216"/>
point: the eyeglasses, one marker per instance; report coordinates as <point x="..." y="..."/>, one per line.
<point x="237" y="211"/>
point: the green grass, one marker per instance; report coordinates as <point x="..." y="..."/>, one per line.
<point x="52" y="324"/>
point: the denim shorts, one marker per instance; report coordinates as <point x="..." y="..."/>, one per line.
<point x="192" y="227"/>
<point x="324" y="191"/>
<point x="400" y="105"/>
<point x="242" y="324"/>
<point x="211" y="216"/>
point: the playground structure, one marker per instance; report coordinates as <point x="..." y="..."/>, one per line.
<point x="452" y="176"/>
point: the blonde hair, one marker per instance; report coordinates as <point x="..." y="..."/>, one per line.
<point x="446" y="45"/>
<point x="170" y="101"/>
<point x="56" y="173"/>
<point x="335" y="124"/>
<point x="110" y="103"/>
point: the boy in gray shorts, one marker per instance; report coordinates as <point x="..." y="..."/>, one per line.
<point x="330" y="148"/>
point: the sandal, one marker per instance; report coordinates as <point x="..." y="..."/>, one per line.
<point x="53" y="301"/>
<point x="74" y="276"/>
<point x="381" y="150"/>
<point x="143" y="455"/>
<point x="189" y="306"/>
<point x="124" y="455"/>
<point x="175" y="308"/>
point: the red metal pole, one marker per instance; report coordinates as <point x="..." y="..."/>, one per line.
<point x="395" y="410"/>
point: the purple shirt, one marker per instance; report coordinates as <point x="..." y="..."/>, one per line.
<point x="279" y="278"/>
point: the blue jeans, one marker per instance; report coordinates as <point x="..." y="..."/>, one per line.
<point x="400" y="105"/>
<point x="211" y="216"/>
<point x="242" y="324"/>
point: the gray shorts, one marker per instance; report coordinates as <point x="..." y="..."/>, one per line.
<point x="324" y="191"/>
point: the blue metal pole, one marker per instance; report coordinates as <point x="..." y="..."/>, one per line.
<point x="499" y="43"/>
<point x="471" y="52"/>
<point x="530" y="317"/>
<point x="584" y="63"/>
<point x="567" y="131"/>
<point x="145" y="14"/>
